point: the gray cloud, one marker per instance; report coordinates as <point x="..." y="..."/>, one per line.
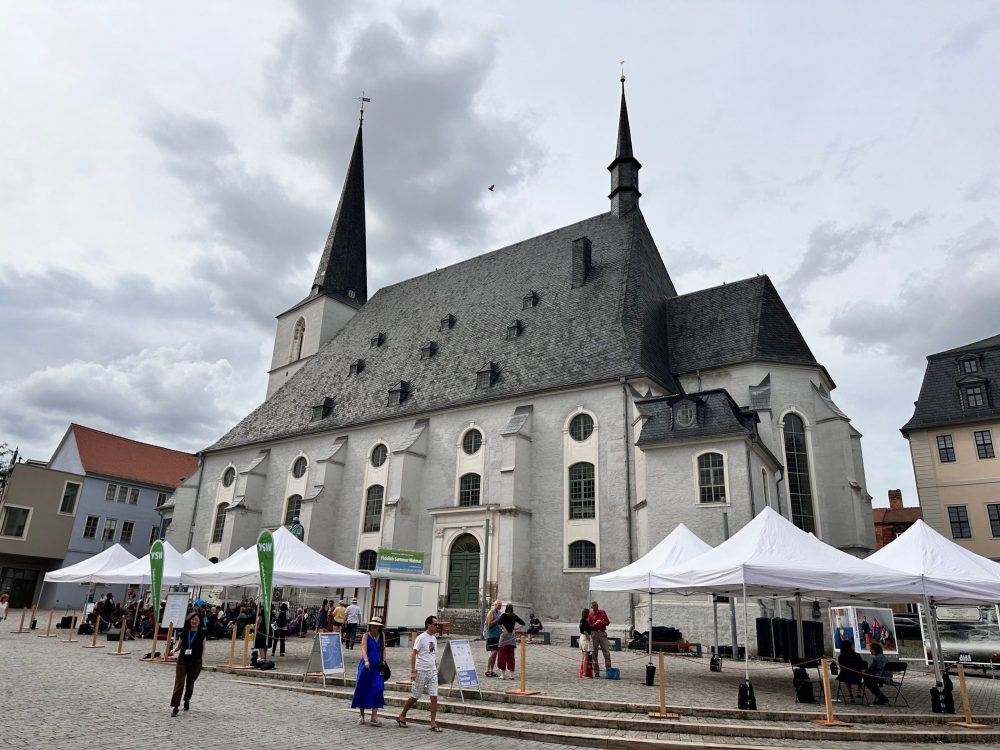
<point x="935" y="310"/>
<point x="965" y="39"/>
<point x="832" y="248"/>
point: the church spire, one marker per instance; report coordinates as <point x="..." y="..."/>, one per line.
<point x="625" y="168"/>
<point x="342" y="270"/>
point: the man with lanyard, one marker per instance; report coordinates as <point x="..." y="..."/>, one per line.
<point x="493" y="636"/>
<point x="598" y="621"/>
<point x="423" y="672"/>
<point x="353" y="620"/>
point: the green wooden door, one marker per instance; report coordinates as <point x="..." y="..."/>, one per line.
<point x="463" y="573"/>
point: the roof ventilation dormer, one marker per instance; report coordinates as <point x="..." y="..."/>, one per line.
<point x="529" y="300"/>
<point x="323" y="409"/>
<point x="377" y="340"/>
<point x="398" y="393"/>
<point x="581" y="261"/>
<point x="428" y="350"/>
<point x="357" y="367"/>
<point x="515" y="329"/>
<point x="488" y="375"/>
<point x="447" y="322"/>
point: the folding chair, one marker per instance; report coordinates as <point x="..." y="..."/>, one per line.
<point x="895" y="673"/>
<point x="863" y="700"/>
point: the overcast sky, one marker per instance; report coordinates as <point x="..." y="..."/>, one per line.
<point x="168" y="173"/>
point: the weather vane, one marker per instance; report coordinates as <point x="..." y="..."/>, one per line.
<point x="362" y="99"/>
<point x="622" y="63"/>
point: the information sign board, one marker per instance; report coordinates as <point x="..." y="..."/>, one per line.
<point x="465" y="665"/>
<point x="176" y="609"/>
<point x="400" y="560"/>
<point x="331" y="653"/>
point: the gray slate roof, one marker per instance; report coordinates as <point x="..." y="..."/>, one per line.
<point x="718" y="416"/>
<point x="744" y="321"/>
<point x="612" y="326"/>
<point x="940" y="402"/>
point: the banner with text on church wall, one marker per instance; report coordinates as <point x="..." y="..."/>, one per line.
<point x="265" y="561"/>
<point x="400" y="560"/>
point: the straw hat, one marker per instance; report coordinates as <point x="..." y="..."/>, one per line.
<point x="354" y="601"/>
<point x="375" y="621"/>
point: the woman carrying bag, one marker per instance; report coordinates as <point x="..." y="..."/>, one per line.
<point x="509" y="629"/>
<point x="372" y="673"/>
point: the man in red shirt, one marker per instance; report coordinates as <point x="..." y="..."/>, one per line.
<point x="598" y="620"/>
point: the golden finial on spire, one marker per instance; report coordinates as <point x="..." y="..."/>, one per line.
<point x="362" y="99"/>
<point x="622" y="63"/>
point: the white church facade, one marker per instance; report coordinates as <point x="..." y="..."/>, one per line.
<point x="559" y="389"/>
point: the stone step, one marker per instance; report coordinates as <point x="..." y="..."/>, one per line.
<point x="524" y="723"/>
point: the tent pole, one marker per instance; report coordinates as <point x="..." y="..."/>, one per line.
<point x="746" y="637"/>
<point x="937" y="644"/>
<point x="931" y="641"/>
<point x="715" y="619"/>
<point x="800" y="646"/>
<point x="649" y="635"/>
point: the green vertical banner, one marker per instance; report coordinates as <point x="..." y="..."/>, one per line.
<point x="156" y="573"/>
<point x="265" y="559"/>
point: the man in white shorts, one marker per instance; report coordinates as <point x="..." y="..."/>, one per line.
<point x="423" y="672"/>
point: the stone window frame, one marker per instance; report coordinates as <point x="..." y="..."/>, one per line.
<point x="993" y="514"/>
<point x="374" y="503"/>
<point x="984" y="444"/>
<point x="27" y="521"/>
<point x="577" y="548"/>
<point x="76" y="498"/>
<point x="128" y="526"/>
<point x="383" y="455"/>
<point x="228" y="473"/>
<point x="367" y="559"/>
<point x="302" y="461"/>
<point x="90" y="530"/>
<point x="946" y="449"/>
<point x="964" y="526"/>
<point x="290" y="511"/>
<point x="582" y="491"/>
<point x="576" y="421"/>
<point x="813" y="494"/>
<point x="467" y="438"/>
<point x="707" y="479"/>
<point x="298" y="337"/>
<point x="470" y="487"/>
<point x="219" y="524"/>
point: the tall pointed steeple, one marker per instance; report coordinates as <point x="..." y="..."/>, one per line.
<point x="625" y="168"/>
<point x="342" y="271"/>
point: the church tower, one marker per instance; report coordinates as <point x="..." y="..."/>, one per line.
<point x="625" y="168"/>
<point x="339" y="289"/>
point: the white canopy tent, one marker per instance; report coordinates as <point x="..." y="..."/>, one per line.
<point x="679" y="546"/>
<point x="295" y="564"/>
<point x="195" y="556"/>
<point x="945" y="571"/>
<point x="772" y="557"/>
<point x="174" y="563"/>
<point x="93" y="569"/>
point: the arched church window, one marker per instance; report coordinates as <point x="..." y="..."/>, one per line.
<point x="581" y="491"/>
<point x="292" y="509"/>
<point x="711" y="478"/>
<point x="797" y="467"/>
<point x="220" y="523"/>
<point x="367" y="560"/>
<point x="373" y="508"/>
<point x="298" y="335"/>
<point x="582" y="554"/>
<point x="468" y="490"/>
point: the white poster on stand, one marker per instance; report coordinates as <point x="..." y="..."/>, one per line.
<point x="176" y="609"/>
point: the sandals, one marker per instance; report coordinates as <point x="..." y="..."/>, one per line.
<point x="361" y="720"/>
<point x="402" y="723"/>
<point x="436" y="728"/>
<point x="375" y="723"/>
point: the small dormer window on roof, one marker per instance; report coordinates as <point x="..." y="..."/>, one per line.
<point x="975" y="395"/>
<point x="515" y="329"/>
<point x="686" y="414"/>
<point x="357" y="367"/>
<point x="428" y="350"/>
<point x="323" y="409"/>
<point x="399" y="393"/>
<point x="377" y="340"/>
<point x="447" y="322"/>
<point x="488" y="375"/>
<point x="529" y="300"/>
<point x="969" y="364"/>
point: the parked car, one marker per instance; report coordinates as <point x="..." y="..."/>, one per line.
<point x="906" y="627"/>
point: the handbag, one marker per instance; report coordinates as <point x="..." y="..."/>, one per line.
<point x="383" y="669"/>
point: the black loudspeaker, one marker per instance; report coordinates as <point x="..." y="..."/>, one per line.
<point x="650" y="674"/>
<point x="114" y="635"/>
<point x="715" y="663"/>
<point x="942" y="700"/>
<point x="765" y="644"/>
<point x="747" y="699"/>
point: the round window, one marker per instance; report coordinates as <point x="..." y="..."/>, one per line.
<point x="229" y="477"/>
<point x="581" y="427"/>
<point x="379" y="454"/>
<point x="299" y="467"/>
<point x="685" y="415"/>
<point x="472" y="442"/>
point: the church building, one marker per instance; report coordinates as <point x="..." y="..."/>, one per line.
<point x="529" y="417"/>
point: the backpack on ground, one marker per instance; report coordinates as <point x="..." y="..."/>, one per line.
<point x="803" y="686"/>
<point x="612" y="673"/>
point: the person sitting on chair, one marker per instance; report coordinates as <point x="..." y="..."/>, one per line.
<point x="852" y="668"/>
<point x="534" y="627"/>
<point x="874" y="675"/>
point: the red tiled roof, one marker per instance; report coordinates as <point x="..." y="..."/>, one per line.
<point x="121" y="458"/>
<point x="896" y="515"/>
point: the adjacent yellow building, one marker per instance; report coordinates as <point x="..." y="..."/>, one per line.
<point x="952" y="436"/>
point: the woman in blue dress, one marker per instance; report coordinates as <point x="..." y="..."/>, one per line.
<point x="369" y="687"/>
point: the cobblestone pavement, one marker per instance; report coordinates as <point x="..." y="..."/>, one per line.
<point x="59" y="695"/>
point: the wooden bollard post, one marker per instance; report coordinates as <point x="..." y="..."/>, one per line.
<point x="121" y="640"/>
<point x="663" y="695"/>
<point x="170" y="642"/>
<point x="829" y="721"/>
<point x="97" y="630"/>
<point x="20" y="627"/>
<point x="48" y="628"/>
<point x="966" y="708"/>
<point x="245" y="664"/>
<point x="523" y="690"/>
<point x="71" y="638"/>
<point x="232" y="648"/>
